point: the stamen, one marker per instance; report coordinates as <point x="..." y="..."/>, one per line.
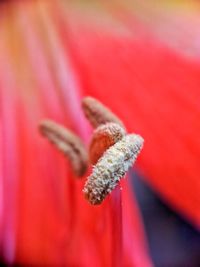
<point x="97" y="113"/>
<point x="103" y="137"/>
<point x="111" y="167"/>
<point x="68" y="143"/>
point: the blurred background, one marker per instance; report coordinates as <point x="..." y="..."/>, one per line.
<point x="172" y="240"/>
<point x="139" y="57"/>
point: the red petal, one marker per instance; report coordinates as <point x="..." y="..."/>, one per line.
<point x="155" y="91"/>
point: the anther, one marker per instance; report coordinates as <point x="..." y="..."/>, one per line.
<point x="68" y="143"/>
<point x="97" y="113"/>
<point x="111" y="167"/>
<point x="103" y="137"/>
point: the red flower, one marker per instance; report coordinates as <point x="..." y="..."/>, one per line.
<point x="51" y="55"/>
<point x="45" y="219"/>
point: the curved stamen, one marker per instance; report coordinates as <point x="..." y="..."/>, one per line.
<point x="68" y="143"/>
<point x="103" y="137"/>
<point x="111" y="167"/>
<point x="97" y="113"/>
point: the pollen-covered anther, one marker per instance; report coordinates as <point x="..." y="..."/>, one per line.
<point x="103" y="137"/>
<point x="111" y="167"/>
<point x="67" y="143"/>
<point x="97" y="113"/>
